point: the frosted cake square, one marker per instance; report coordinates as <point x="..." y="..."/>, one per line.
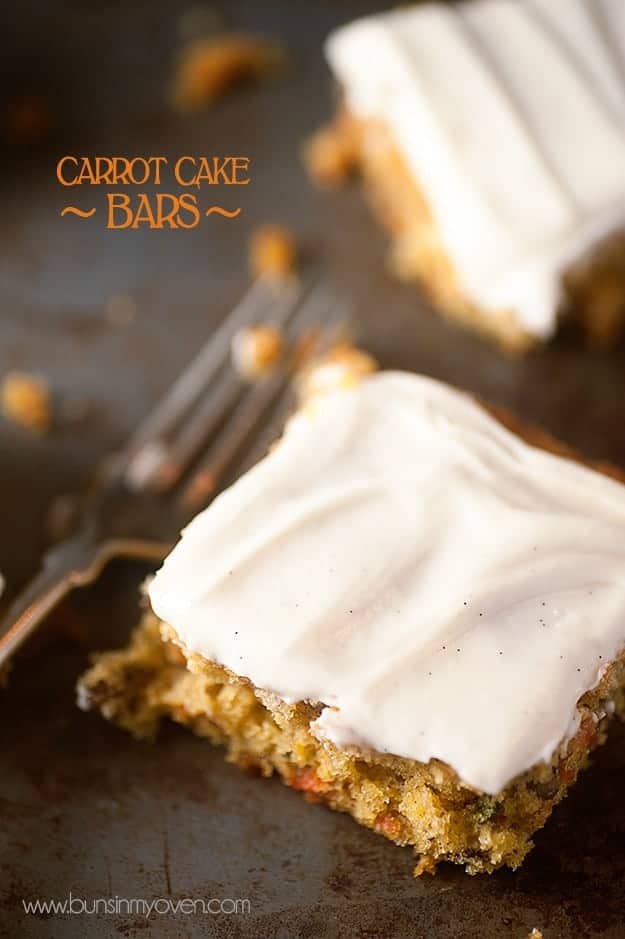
<point x="491" y="137"/>
<point x="411" y="610"/>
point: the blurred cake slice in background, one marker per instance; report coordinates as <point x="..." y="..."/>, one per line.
<point x="491" y="136"/>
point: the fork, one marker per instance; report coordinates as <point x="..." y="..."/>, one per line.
<point x="141" y="497"/>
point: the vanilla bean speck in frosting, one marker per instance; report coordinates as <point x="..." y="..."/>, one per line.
<point x="443" y="588"/>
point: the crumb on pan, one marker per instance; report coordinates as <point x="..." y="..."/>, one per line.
<point x="256" y="349"/>
<point x="330" y="156"/>
<point x="272" y="252"/>
<point x="341" y="367"/>
<point x="25" y="399"/>
<point x="210" y="67"/>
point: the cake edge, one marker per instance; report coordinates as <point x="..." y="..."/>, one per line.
<point x="593" y="287"/>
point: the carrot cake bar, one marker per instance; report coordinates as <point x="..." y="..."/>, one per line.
<point x="491" y="135"/>
<point x="407" y="610"/>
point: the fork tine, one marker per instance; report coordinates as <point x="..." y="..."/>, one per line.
<point x="258" y="404"/>
<point x="202" y="370"/>
<point x="205" y="419"/>
<point x="210" y="412"/>
<point x="311" y="346"/>
<point x="149" y="450"/>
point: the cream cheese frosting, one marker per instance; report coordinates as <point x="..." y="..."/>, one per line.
<point x="444" y="589"/>
<point x="511" y="115"/>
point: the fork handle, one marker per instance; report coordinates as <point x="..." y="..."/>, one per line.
<point x="75" y="562"/>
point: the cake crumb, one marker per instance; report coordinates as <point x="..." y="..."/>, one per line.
<point x="211" y="66"/>
<point x="25" y="399"/>
<point x="426" y="865"/>
<point x="535" y="934"/>
<point x="272" y="252"/>
<point x="256" y="349"/>
<point x="343" y="366"/>
<point x="330" y="156"/>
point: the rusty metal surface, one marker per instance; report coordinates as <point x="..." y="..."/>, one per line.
<point x="83" y="807"/>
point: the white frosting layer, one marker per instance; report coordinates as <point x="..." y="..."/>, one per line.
<point x="511" y="114"/>
<point x="446" y="590"/>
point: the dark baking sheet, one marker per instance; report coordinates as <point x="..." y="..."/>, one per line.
<point x="82" y="807"/>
